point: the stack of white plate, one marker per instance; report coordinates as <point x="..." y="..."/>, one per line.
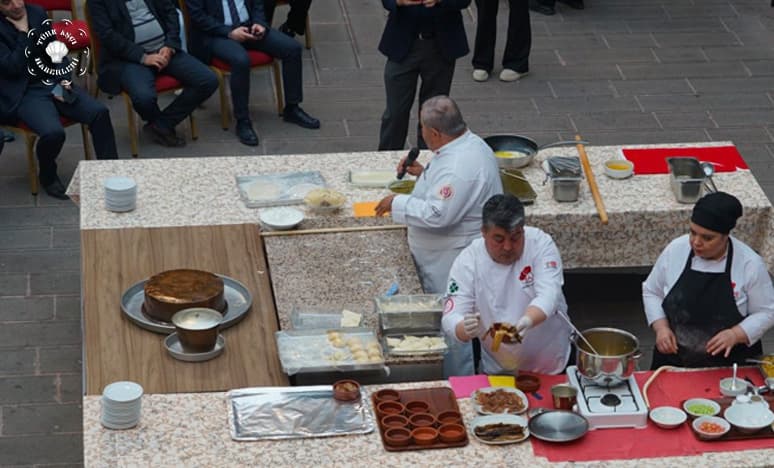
<point x="120" y="194"/>
<point x="121" y="404"/>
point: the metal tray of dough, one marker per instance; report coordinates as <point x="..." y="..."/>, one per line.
<point x="238" y="302"/>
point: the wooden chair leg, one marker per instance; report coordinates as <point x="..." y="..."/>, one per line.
<point x="194" y="130"/>
<point x="225" y="116"/>
<point x="132" y="124"/>
<point x="278" y="87"/>
<point x="308" y="34"/>
<point x="86" y="146"/>
<point x="32" y="163"/>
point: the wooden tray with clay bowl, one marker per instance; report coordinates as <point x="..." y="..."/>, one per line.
<point x="439" y="399"/>
<point x="734" y="434"/>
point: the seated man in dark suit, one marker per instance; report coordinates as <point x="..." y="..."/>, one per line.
<point x="422" y="39"/>
<point x="225" y="29"/>
<point x="296" y="21"/>
<point x="36" y="100"/>
<point x="138" y="40"/>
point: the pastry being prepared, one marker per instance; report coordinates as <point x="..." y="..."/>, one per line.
<point x="174" y="290"/>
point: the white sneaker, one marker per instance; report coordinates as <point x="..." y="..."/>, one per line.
<point x="510" y="75"/>
<point x="480" y="75"/>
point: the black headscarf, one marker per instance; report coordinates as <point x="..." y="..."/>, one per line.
<point x="717" y="211"/>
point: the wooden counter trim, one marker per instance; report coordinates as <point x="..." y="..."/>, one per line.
<point x="116" y="349"/>
<point x="388" y="227"/>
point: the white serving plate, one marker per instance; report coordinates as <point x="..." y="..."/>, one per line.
<point x="496" y="419"/>
<point x="122" y="392"/>
<point x="668" y="417"/>
<point x="516" y="391"/>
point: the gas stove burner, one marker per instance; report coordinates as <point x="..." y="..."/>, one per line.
<point x="610" y="400"/>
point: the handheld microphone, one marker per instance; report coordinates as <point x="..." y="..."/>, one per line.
<point x="412" y="156"/>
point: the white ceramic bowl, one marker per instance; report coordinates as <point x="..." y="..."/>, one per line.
<point x="740" y="388"/>
<point x="281" y="218"/>
<point x="668" y="417"/>
<point x="701" y="401"/>
<point x="710" y="419"/>
<point x="749" y="418"/>
<point x="619" y="168"/>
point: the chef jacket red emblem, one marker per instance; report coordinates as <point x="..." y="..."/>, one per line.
<point x="446" y="192"/>
<point x="526" y="276"/>
<point x="551" y="264"/>
<point x="449" y="306"/>
<point x="733" y="288"/>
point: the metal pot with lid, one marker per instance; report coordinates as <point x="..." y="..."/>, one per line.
<point x="618" y="351"/>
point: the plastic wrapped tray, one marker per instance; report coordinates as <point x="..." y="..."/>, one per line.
<point x="414" y="352"/>
<point x="304" y="351"/>
<point x="373" y="178"/>
<point x="317" y="318"/>
<point x="278" y="189"/>
<point x="410" y="312"/>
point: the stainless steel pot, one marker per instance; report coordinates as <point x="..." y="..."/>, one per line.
<point x="617" y="359"/>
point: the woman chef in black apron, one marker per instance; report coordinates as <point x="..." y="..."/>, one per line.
<point x="709" y="297"/>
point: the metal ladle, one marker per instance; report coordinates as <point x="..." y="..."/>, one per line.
<point x="567" y="319"/>
<point x="709" y="170"/>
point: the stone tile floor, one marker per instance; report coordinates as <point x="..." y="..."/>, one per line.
<point x="620" y="71"/>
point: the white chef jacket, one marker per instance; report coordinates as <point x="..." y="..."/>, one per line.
<point x="443" y="213"/>
<point x="752" y="285"/>
<point x="501" y="293"/>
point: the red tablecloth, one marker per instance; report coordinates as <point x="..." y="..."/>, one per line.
<point x="670" y="388"/>
<point x="653" y="161"/>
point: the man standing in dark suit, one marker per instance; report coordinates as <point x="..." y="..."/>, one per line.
<point x="296" y="20"/>
<point x="422" y="39"/>
<point x="138" y="40"/>
<point x="36" y="100"/>
<point x="226" y="29"/>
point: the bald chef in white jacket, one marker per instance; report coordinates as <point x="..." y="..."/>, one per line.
<point x="443" y="213"/>
<point x="513" y="275"/>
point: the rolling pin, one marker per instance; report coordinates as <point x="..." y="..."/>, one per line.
<point x="592" y="181"/>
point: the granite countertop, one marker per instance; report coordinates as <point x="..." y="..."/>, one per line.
<point x="643" y="212"/>
<point x="193" y="430"/>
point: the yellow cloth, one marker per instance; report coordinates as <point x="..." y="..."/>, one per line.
<point x="502" y="381"/>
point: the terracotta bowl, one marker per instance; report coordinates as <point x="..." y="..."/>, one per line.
<point x="346" y="390"/>
<point x="422" y="420"/>
<point x="395" y="420"/>
<point x="397" y="436"/>
<point x="387" y="408"/>
<point x="417" y="406"/>
<point x="387" y="394"/>
<point x="424" y="435"/>
<point x="527" y="383"/>
<point x="449" y="417"/>
<point x="451" y="433"/>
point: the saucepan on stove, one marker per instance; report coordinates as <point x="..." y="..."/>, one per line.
<point x="516" y="151"/>
<point x="617" y="352"/>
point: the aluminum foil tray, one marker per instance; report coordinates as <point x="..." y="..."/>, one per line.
<point x="302" y="351"/>
<point x="263" y="413"/>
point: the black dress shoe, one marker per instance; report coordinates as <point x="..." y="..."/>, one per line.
<point x="7" y="136"/>
<point x="575" y="4"/>
<point x="285" y="29"/>
<point x="294" y="114"/>
<point x="538" y="7"/>
<point x="56" y="189"/>
<point x="245" y="133"/>
<point x="163" y="136"/>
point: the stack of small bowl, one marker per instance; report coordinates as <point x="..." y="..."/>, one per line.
<point x="120" y="194"/>
<point x="121" y="405"/>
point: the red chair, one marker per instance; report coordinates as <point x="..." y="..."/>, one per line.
<point x="29" y="139"/>
<point x="221" y="69"/>
<point x="164" y="84"/>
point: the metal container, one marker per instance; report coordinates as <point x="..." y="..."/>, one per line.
<point x="558" y="426"/>
<point x="409" y="312"/>
<point x="197" y="328"/>
<point x="566" y="189"/>
<point x="686" y="177"/>
<point x="617" y="359"/>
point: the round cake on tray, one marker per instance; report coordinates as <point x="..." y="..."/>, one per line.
<point x="174" y="290"/>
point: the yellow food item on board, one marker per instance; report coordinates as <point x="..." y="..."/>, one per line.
<point x="498" y="338"/>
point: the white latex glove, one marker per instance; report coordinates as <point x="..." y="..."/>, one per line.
<point x="524" y="324"/>
<point x="472" y="325"/>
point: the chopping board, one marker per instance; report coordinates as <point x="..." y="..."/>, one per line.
<point x="653" y="160"/>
